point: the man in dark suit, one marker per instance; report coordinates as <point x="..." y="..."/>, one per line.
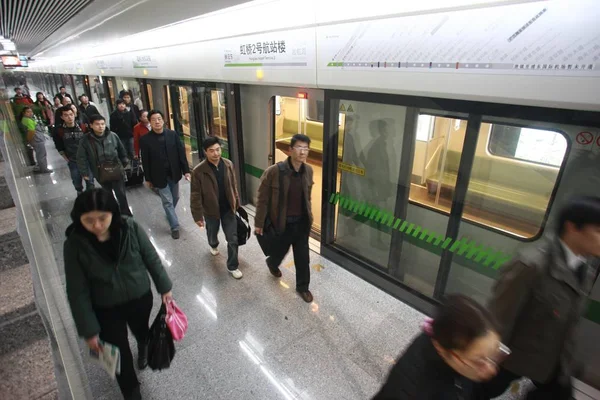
<point x="122" y="123"/>
<point x="164" y="162"/>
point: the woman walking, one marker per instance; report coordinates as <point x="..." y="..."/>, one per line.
<point x="107" y="260"/>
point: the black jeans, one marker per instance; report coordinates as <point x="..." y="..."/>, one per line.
<point x="551" y="390"/>
<point x="295" y="235"/>
<point x="229" y="222"/>
<point x="119" y="188"/>
<point x="113" y="329"/>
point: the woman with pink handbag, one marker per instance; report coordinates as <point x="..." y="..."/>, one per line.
<point x="108" y="258"/>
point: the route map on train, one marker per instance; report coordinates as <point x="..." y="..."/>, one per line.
<point x="533" y="38"/>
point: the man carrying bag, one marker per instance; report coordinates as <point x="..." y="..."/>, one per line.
<point x="283" y="213"/>
<point x="104" y="152"/>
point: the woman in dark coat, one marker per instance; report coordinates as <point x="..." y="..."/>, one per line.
<point x="108" y="258"/>
<point x="458" y="349"/>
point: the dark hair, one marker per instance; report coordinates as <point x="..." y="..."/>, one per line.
<point x="61" y="87"/>
<point x="80" y="96"/>
<point x="22" y="113"/>
<point x="17" y="88"/>
<point x="95" y="200"/>
<point x="127" y="93"/>
<point x="57" y="97"/>
<point x="64" y="109"/>
<point x="120" y="101"/>
<point x="141" y="112"/>
<point x="459" y="321"/>
<point x="581" y="211"/>
<point x="38" y="93"/>
<point x="96" y="117"/>
<point x="210" y="141"/>
<point x="152" y="112"/>
<point x="298" y="137"/>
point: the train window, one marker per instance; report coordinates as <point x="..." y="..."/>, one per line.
<point x="512" y="179"/>
<point x="513" y="176"/>
<point x="436" y="160"/>
<point x="527" y="144"/>
<point x="425" y="127"/>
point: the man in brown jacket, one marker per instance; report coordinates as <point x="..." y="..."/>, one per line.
<point x="214" y="200"/>
<point x="539" y="300"/>
<point x="296" y="216"/>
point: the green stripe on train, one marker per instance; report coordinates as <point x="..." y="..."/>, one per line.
<point x="471" y="254"/>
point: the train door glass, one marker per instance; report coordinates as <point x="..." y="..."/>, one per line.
<point x="292" y="116"/>
<point x="167" y="101"/>
<point x="150" y="98"/>
<point x="111" y="86"/>
<point x="186" y="118"/>
<point x="80" y="87"/>
<point x="514" y="173"/>
<point x="99" y="95"/>
<point x="437" y="152"/>
<point x="370" y="138"/>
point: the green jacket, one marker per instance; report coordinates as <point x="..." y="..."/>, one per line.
<point x="94" y="282"/>
<point x="108" y="147"/>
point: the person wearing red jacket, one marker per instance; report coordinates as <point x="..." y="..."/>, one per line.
<point x="139" y="130"/>
<point x="21" y="99"/>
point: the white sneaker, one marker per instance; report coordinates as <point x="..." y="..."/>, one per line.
<point x="214" y="251"/>
<point x="236" y="273"/>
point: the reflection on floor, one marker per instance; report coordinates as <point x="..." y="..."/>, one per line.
<point x="253" y="338"/>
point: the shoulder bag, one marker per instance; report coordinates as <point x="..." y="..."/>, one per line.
<point x="108" y="171"/>
<point x="270" y="232"/>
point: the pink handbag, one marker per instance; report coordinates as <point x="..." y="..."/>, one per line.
<point x="176" y="321"/>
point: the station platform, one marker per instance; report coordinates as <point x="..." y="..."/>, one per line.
<point x="252" y="338"/>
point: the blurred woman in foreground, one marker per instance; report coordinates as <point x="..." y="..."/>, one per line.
<point x="457" y="349"/>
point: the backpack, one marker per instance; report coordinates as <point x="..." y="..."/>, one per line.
<point x="243" y="226"/>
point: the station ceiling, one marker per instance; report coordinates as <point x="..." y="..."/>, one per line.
<point x="39" y="26"/>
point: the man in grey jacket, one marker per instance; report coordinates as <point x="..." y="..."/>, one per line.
<point x="97" y="147"/>
<point x="539" y="299"/>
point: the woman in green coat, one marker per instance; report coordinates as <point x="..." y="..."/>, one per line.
<point x="107" y="261"/>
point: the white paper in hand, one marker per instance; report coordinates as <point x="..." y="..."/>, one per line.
<point x="109" y="358"/>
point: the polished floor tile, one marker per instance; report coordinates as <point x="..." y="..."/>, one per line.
<point x="252" y="338"/>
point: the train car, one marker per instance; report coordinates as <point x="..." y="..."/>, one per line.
<point x="444" y="138"/>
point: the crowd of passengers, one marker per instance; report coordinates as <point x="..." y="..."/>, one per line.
<point x="465" y="352"/>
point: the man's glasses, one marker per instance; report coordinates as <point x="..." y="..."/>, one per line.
<point x="301" y="149"/>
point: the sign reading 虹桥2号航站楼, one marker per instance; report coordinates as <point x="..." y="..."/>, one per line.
<point x="266" y="51"/>
<point x="144" y="61"/>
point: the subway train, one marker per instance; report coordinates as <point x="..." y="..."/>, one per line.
<point x="443" y="140"/>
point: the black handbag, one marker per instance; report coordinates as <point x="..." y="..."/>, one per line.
<point x="271" y="234"/>
<point x="243" y="226"/>
<point x="108" y="171"/>
<point x="135" y="175"/>
<point x="161" y="348"/>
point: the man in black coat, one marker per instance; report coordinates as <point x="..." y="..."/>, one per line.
<point x="164" y="162"/>
<point x="86" y="107"/>
<point x="122" y="123"/>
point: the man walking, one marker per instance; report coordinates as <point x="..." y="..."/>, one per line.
<point x="539" y="299"/>
<point x="164" y="162"/>
<point x="67" y="137"/>
<point x="122" y="123"/>
<point x="214" y="200"/>
<point x="86" y="107"/>
<point x="63" y="93"/>
<point x="104" y="152"/>
<point x="131" y="107"/>
<point x="293" y="217"/>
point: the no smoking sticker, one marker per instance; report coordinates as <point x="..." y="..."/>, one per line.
<point x="585" y="138"/>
